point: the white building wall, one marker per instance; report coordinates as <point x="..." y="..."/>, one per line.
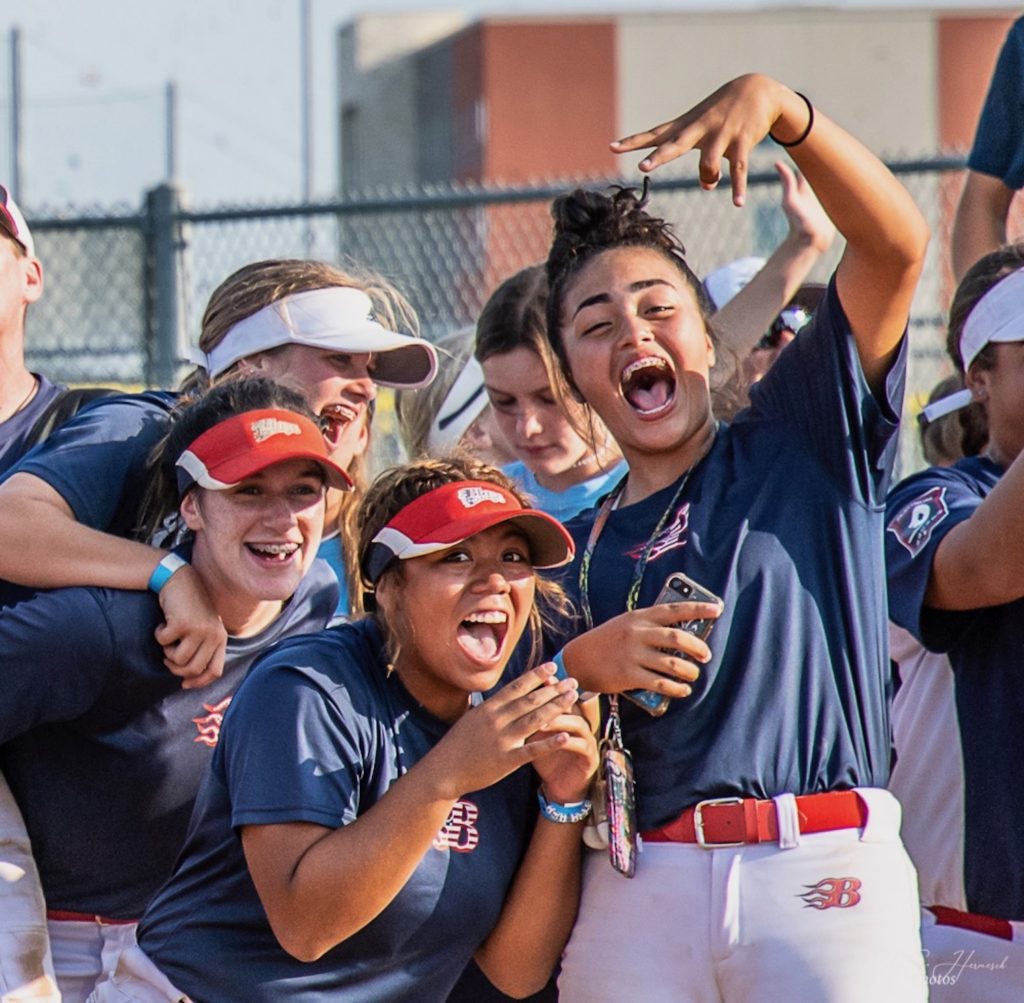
<point x="872" y="71"/>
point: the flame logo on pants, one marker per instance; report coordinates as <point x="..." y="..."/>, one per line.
<point x="829" y="893"/>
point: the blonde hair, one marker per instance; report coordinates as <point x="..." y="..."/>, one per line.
<point x="261" y="283"/>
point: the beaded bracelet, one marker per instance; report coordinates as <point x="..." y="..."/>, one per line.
<point x="564" y="814"/>
<point x="803" y="135"/>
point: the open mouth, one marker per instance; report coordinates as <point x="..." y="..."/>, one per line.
<point x="333" y="420"/>
<point x="273" y="553"/>
<point x="481" y="635"/>
<point x="648" y="385"/>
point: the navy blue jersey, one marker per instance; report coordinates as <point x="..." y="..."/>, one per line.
<point x="318" y="733"/>
<point x="783" y="520"/>
<point x="984" y="647"/>
<point x="15" y="430"/>
<point x="96" y="461"/>
<point x="998" y="147"/>
<point x="104" y="749"/>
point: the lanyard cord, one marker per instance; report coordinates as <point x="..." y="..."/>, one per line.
<point x="613" y="727"/>
<point x="641" y="562"/>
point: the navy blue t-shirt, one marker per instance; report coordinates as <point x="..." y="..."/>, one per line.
<point x="104" y="749"/>
<point x="96" y="461"/>
<point x="998" y="147"/>
<point x="15" y="430"/>
<point x="783" y="520"/>
<point x="985" y="648"/>
<point x="318" y="733"/>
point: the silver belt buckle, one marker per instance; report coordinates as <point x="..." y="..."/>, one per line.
<point x="698" y="822"/>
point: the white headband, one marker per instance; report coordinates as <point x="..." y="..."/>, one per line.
<point x="337" y="318"/>
<point x="997" y="316"/>
<point x="461" y="406"/>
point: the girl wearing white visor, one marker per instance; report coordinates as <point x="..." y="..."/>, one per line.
<point x="69" y="512"/>
<point x="955" y="565"/>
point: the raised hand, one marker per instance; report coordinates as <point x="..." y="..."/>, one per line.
<point x="726" y="125"/>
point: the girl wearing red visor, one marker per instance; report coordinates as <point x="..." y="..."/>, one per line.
<point x="367" y="826"/>
<point x="103" y="747"/>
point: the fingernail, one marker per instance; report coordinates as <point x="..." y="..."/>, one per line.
<point x="645" y="163"/>
<point x="616" y="142"/>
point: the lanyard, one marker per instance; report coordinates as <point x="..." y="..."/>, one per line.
<point x="641" y="562"/>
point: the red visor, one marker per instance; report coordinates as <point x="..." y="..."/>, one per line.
<point x="245" y="444"/>
<point x="453" y="513"/>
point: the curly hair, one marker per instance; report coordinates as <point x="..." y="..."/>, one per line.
<point x="588" y="223"/>
<point x="985" y="273"/>
<point x="399" y="486"/>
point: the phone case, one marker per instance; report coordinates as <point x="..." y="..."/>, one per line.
<point x="677" y="588"/>
<point x="617" y="768"/>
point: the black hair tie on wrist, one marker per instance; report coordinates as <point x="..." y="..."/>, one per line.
<point x="803" y="135"/>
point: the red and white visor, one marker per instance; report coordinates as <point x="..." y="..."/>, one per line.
<point x="454" y="512"/>
<point x="247" y="443"/>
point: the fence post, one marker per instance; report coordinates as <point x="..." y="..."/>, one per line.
<point x="166" y="238"/>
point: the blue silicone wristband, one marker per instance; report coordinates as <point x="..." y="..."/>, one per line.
<point x="564" y="814"/>
<point x="163" y="571"/>
<point x="560" y="670"/>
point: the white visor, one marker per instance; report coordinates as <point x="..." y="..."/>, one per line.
<point x="945" y="405"/>
<point x="997" y="316"/>
<point x="337" y="319"/>
<point x="462" y="405"/>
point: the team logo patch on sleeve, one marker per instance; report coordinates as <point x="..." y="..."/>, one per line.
<point x="914" y="524"/>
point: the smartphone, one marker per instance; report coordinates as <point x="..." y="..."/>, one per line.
<point x="677" y="588"/>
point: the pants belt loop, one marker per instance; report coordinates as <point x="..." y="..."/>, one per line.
<point x="884" y="815"/>
<point x="789" y="821"/>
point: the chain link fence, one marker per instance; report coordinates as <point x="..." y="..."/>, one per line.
<point x="125" y="293"/>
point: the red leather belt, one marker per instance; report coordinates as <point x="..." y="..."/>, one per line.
<point x="739" y="821"/>
<point x="86" y="917"/>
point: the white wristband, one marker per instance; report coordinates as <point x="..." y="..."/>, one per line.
<point x="163" y="571"/>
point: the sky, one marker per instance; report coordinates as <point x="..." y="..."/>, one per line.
<point x="94" y="77"/>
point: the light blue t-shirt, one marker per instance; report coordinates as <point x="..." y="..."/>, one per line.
<point x="564" y="505"/>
